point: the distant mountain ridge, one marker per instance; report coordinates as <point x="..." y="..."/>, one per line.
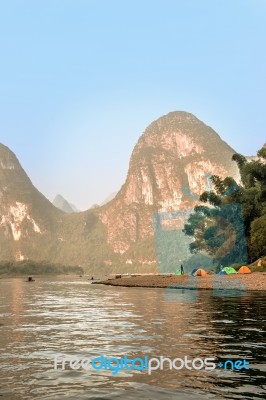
<point x="167" y="172"/>
<point x="254" y="158"/>
<point x="64" y="205"/>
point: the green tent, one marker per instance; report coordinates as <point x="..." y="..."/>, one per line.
<point x="178" y="272"/>
<point x="229" y="270"/>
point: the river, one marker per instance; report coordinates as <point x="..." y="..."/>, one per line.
<point x="71" y="317"/>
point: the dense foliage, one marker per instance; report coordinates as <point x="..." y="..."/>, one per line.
<point x="232" y="228"/>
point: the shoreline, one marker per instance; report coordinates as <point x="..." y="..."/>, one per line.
<point x="255" y="281"/>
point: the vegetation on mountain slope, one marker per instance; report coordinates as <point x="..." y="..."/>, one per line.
<point x="29" y="267"/>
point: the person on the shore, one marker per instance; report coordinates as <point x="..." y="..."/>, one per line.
<point x="182" y="270"/>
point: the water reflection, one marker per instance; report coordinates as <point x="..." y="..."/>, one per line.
<point x="73" y="317"/>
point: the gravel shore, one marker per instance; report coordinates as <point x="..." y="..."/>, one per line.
<point x="253" y="281"/>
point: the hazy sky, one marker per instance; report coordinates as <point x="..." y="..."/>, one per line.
<point x="81" y="80"/>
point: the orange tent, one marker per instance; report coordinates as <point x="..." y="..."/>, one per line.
<point x="244" y="270"/>
<point x="201" y="272"/>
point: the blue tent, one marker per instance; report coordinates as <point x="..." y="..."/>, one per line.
<point x="223" y="272"/>
<point x="193" y="273"/>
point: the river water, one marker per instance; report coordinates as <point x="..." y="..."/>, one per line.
<point x="71" y="317"/>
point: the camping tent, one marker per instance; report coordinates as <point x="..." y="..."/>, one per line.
<point x="244" y="270"/>
<point x="201" y="272"/>
<point x="222" y="272"/>
<point x="193" y="273"/>
<point x="229" y="270"/>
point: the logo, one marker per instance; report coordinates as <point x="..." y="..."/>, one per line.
<point x="145" y="363"/>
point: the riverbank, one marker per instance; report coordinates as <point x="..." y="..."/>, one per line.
<point x="254" y="281"/>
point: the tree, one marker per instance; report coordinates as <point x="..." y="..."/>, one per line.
<point x="234" y="219"/>
<point x="258" y="237"/>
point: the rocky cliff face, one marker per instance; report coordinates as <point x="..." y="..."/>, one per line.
<point x="27" y="218"/>
<point x="169" y="168"/>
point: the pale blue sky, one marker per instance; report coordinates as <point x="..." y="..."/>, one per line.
<point x="81" y="80"/>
